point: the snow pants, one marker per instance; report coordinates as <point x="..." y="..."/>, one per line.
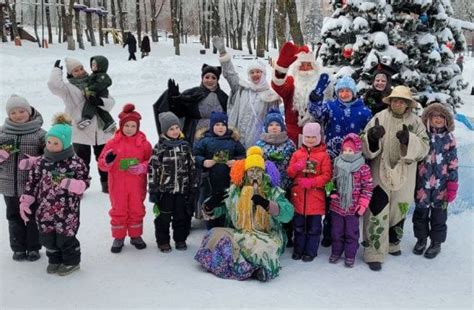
<point x="307" y="231"/>
<point x="22" y="237"/>
<point x="430" y="222"/>
<point x="345" y="235"/>
<point x="173" y="210"/>
<point x="127" y="212"/>
<point x="383" y="221"/>
<point x="84" y="152"/>
<point x="61" y="249"/>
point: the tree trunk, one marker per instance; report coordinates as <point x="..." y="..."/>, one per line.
<point x="121" y="19"/>
<point x="101" y="33"/>
<point x="68" y="29"/>
<point x="35" y="24"/>
<point x="48" y="21"/>
<point x="204" y="22"/>
<point x="90" y="28"/>
<point x="146" y="17"/>
<point x="280" y="22"/>
<point x="270" y="11"/>
<point x="154" y="17"/>
<point x="241" y="26"/>
<point x="63" y="18"/>
<point x="60" y="22"/>
<point x="249" y="42"/>
<point x="77" y="21"/>
<point x="114" y="19"/>
<point x="2" y="24"/>
<point x="295" y="28"/>
<point x="105" y="21"/>
<point x="216" y="22"/>
<point x="181" y="21"/>
<point x="226" y="24"/>
<point x="175" y="26"/>
<point x="139" y="23"/>
<point x="209" y="23"/>
<point x="260" y="49"/>
<point x="12" y="16"/>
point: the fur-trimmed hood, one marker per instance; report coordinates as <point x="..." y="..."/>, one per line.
<point x="441" y="109"/>
<point x="201" y="133"/>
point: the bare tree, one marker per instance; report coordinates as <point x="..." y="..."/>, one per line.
<point x="90" y="29"/>
<point x="146" y="16"/>
<point x="105" y="21"/>
<point x="270" y="10"/>
<point x="251" y="26"/>
<point x="155" y="12"/>
<point x="63" y="19"/>
<point x="12" y="15"/>
<point x="2" y="23"/>
<point x="240" y="24"/>
<point x="204" y="24"/>
<point x="101" y="26"/>
<point x="295" y="28"/>
<point x="48" y="21"/>
<point x="79" y="36"/>
<point x="139" y="21"/>
<point x="122" y="16"/>
<point x="216" y="22"/>
<point x="35" y="23"/>
<point x="280" y="22"/>
<point x="175" y="26"/>
<point x="68" y="26"/>
<point x="260" y="50"/>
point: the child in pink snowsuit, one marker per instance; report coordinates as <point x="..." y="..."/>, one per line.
<point x="125" y="157"/>
<point x="353" y="180"/>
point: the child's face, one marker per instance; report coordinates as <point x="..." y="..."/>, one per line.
<point x="347" y="150"/>
<point x="398" y="105"/>
<point x="274" y="128"/>
<point x="54" y="145"/>
<point x="380" y="82"/>
<point x="219" y="129"/>
<point x="94" y="66"/>
<point x="19" y="115"/>
<point x="78" y="72"/>
<point x="437" y="121"/>
<point x="209" y="80"/>
<point x="130" y="128"/>
<point x="310" y="141"/>
<point x="255" y="75"/>
<point x="345" y="95"/>
<point x="173" y="132"/>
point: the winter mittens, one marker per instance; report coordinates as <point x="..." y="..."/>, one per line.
<point x="374" y="134"/>
<point x="138" y="169"/>
<point x="25" y="202"/>
<point x="3" y="156"/>
<point x="110" y="157"/>
<point x="306" y="182"/>
<point x="27" y="163"/>
<point x="403" y="135"/>
<point x="287" y="55"/>
<point x="452" y="189"/>
<point x="74" y="186"/>
<point x="318" y="93"/>
<point x="218" y="43"/>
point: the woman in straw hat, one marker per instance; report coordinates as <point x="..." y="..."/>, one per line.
<point x="395" y="140"/>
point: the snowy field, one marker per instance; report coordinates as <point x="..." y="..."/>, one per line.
<point x="151" y="279"/>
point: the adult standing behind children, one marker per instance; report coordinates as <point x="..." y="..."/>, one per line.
<point x="72" y="94"/>
<point x="250" y="99"/>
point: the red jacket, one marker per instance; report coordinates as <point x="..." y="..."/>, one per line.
<point x="286" y="92"/>
<point x="310" y="201"/>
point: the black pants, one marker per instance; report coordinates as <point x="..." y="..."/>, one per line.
<point x="132" y="56"/>
<point x="172" y="210"/>
<point x="84" y="152"/>
<point x="61" y="249"/>
<point x="22" y="237"/>
<point x="430" y="222"/>
<point x="327" y="221"/>
<point x="91" y="109"/>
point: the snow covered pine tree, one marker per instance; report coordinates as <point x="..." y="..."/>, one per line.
<point x="417" y="38"/>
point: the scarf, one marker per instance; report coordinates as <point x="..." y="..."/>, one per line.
<point x="59" y="156"/>
<point x="80" y="83"/>
<point x="197" y="94"/>
<point x="250" y="217"/>
<point x="344" y="166"/>
<point x="172" y="142"/>
<point x="274" y="139"/>
<point x="33" y="125"/>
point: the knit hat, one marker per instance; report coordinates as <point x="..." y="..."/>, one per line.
<point x="352" y="141"/>
<point x="274" y="116"/>
<point x="210" y="69"/>
<point x="254" y="158"/>
<point x="16" y="101"/>
<point x="348" y="83"/>
<point x="129" y="114"/>
<point x="168" y="119"/>
<point x="71" y="63"/>
<point x="62" y="129"/>
<point x="217" y="117"/>
<point x="312" y="130"/>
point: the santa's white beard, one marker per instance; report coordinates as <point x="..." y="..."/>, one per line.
<point x="305" y="82"/>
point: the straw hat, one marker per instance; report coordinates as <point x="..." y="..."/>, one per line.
<point x="402" y="92"/>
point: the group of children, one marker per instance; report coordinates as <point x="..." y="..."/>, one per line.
<point x="50" y="193"/>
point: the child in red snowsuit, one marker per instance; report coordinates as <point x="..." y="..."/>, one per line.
<point x="125" y="157"/>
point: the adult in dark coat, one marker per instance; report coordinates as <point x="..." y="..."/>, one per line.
<point x="132" y="46"/>
<point x="145" y="46"/>
<point x="380" y="88"/>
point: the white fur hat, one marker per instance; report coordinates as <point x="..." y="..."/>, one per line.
<point x="306" y="57"/>
<point x="71" y="63"/>
<point x="256" y="65"/>
<point x="16" y="101"/>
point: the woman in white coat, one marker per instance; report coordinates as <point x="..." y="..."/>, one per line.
<point x="72" y="94"/>
<point x="250" y="98"/>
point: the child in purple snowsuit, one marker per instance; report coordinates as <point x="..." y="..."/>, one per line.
<point x="353" y="181"/>
<point x="437" y="181"/>
<point x="56" y="183"/>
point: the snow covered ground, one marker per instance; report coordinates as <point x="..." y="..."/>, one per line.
<point x="150" y="279"/>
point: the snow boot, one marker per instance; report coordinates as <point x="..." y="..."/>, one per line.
<point x="307" y="258"/>
<point x="33" y="256"/>
<point x="165" y="248"/>
<point x="117" y="246"/>
<point x="333" y="259"/>
<point x="419" y="247"/>
<point x="181" y="246"/>
<point x="296" y="256"/>
<point x="65" y="270"/>
<point x="19" y="256"/>
<point x="396" y="253"/>
<point x="375" y="266"/>
<point x="261" y="275"/>
<point x="349" y="262"/>
<point x="326" y="242"/>
<point x="138" y="243"/>
<point x="52" y="268"/>
<point x="433" y="250"/>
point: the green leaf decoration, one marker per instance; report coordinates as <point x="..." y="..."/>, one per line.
<point x="377" y="244"/>
<point x="371" y="230"/>
<point x="399" y="232"/>
<point x="156" y="210"/>
<point x="385" y="217"/>
<point x="373" y="219"/>
<point x="379" y="230"/>
<point x="404" y="207"/>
